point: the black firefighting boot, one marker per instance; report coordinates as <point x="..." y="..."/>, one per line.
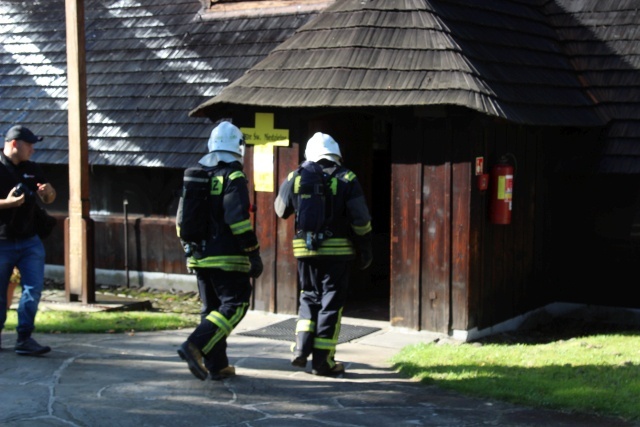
<point x="302" y="348"/>
<point x="192" y="355"/>
<point x="323" y="364"/>
<point x="192" y="350"/>
<point x="217" y="362"/>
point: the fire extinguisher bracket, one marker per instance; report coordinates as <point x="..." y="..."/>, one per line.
<point x="501" y="182"/>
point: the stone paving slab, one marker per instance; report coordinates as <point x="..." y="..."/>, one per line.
<point x="137" y="379"/>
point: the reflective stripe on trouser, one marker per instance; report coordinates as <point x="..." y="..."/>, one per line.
<point x="225" y="326"/>
<point x="324" y="349"/>
<point x="324" y="284"/>
<point x="305" y="333"/>
<point x="225" y="299"/>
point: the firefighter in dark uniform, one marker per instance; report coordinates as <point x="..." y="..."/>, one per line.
<point x="228" y="260"/>
<point x="323" y="273"/>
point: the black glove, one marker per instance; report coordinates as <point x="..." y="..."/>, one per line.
<point x="365" y="257"/>
<point x="364" y="245"/>
<point x="256" y="265"/>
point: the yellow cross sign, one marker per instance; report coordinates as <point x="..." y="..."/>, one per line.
<point x="264" y="137"/>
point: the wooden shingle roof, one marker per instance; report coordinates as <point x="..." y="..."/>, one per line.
<point x="148" y="63"/>
<point x="537" y="62"/>
<point x="540" y="62"/>
<point x="601" y="38"/>
<point x="499" y="57"/>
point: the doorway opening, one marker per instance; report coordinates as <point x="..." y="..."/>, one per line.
<point x="370" y="290"/>
<point x="366" y="149"/>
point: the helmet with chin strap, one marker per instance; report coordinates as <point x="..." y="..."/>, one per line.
<point x="322" y="146"/>
<point x="226" y="137"/>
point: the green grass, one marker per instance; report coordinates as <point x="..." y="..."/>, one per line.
<point x="598" y="374"/>
<point x="53" y="321"/>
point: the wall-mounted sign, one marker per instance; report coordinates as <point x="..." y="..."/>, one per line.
<point x="479" y="165"/>
<point x="264" y="137"/>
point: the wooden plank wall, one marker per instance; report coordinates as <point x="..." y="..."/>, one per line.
<point x="435" y="294"/>
<point x="406" y="230"/>
<point x="471" y="273"/>
<point x="525" y="209"/>
<point x="505" y="265"/>
<point x="431" y="224"/>
<point x="497" y="298"/>
<point x="478" y="209"/>
<point x="286" y="265"/>
<point x="450" y="268"/>
<point x="463" y="164"/>
<point x="275" y="291"/>
<point x="264" y="287"/>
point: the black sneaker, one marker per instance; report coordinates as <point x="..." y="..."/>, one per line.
<point x="30" y="347"/>
<point x="336" y="371"/>
<point x="190" y="354"/>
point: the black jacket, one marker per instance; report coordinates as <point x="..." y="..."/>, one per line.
<point x="350" y="223"/>
<point x="19" y="223"/>
<point x="233" y="239"/>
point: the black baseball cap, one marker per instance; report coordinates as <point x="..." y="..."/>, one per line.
<point x="23" y="134"/>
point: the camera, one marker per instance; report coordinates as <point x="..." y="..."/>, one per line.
<point x="21" y="189"/>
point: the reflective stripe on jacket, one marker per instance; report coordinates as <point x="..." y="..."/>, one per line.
<point x="349" y="217"/>
<point x="229" y="246"/>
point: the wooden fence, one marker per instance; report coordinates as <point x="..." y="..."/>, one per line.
<point x="151" y="244"/>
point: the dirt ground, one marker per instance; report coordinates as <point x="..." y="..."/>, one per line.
<point x="161" y="300"/>
<point x="585" y="322"/>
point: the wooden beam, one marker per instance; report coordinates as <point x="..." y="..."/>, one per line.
<point x="79" y="265"/>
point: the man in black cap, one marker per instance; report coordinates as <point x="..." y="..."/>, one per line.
<point x="20" y="181"/>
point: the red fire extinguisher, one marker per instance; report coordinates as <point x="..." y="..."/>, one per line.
<point x="501" y="201"/>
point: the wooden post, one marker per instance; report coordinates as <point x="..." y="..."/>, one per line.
<point x="79" y="262"/>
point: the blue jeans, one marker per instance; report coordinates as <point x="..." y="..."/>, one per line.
<point x="28" y="256"/>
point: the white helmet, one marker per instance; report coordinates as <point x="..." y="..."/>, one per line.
<point x="226" y="137"/>
<point x="322" y="146"/>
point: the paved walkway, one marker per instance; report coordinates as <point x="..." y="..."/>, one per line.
<point x="137" y="379"/>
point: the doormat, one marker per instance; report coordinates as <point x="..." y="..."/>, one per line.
<point x="285" y="331"/>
